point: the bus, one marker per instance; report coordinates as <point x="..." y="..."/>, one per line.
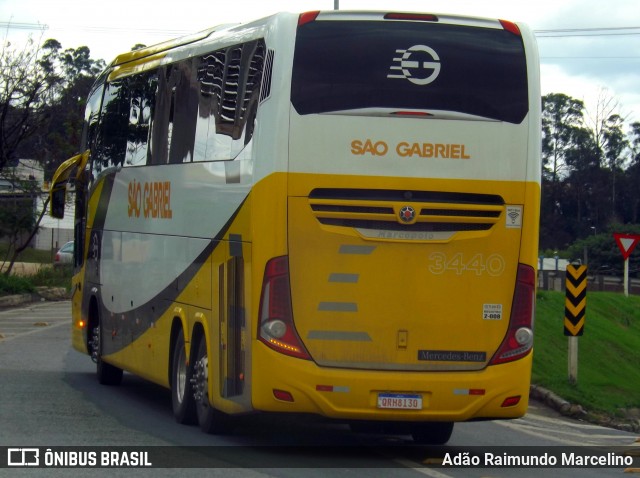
<point x="331" y="213"/>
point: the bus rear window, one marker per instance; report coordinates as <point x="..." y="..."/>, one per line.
<point x="347" y="65"/>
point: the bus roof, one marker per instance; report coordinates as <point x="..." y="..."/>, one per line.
<point x="166" y="45"/>
<point x="318" y="15"/>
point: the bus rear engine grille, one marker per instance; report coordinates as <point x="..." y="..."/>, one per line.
<point x="419" y="226"/>
<point x="380" y="210"/>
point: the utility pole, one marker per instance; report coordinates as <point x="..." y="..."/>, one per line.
<point x="336" y="4"/>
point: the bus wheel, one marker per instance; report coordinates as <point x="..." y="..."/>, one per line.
<point x="210" y="420"/>
<point x="107" y="374"/>
<point x="184" y="407"/>
<point x="432" y="433"/>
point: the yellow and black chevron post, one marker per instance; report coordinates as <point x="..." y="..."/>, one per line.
<point x="575" y="304"/>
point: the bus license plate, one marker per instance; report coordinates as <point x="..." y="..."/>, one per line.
<point x="400" y="401"/>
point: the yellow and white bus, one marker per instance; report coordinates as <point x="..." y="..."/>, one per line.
<point x="332" y="213"/>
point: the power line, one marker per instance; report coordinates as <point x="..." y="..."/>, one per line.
<point x="96" y="29"/>
<point x="23" y="26"/>
<point x="587" y="32"/>
<point x="151" y="31"/>
<point x="590" y="57"/>
<point x="108" y="30"/>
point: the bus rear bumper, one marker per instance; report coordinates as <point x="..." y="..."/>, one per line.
<point x="285" y="384"/>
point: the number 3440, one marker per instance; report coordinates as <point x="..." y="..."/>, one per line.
<point x="493" y="265"/>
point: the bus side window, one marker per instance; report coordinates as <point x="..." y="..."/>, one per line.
<point x="88" y="141"/>
<point x="253" y="73"/>
<point x="256" y="72"/>
<point x="184" y="105"/>
<point x="91" y="117"/>
<point x="111" y="143"/>
<point x="162" y="129"/>
<point x="229" y="89"/>
<point x="143" y="98"/>
<point x="211" y="78"/>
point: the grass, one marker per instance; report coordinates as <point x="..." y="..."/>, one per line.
<point x="15" y="285"/>
<point x="608" y="371"/>
<point x="45" y="277"/>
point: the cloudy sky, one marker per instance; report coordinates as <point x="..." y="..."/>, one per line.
<point x="588" y="48"/>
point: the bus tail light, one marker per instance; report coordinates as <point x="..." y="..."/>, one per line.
<point x="283" y="395"/>
<point x="307" y="17"/>
<point x="510" y="27"/>
<point x="511" y="401"/>
<point x="276" y="327"/>
<point x="415" y="17"/>
<point x="422" y="114"/>
<point x="519" y="339"/>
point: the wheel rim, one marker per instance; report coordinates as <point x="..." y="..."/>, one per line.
<point x="95" y="344"/>
<point x="181" y="375"/>
<point x="200" y="381"/>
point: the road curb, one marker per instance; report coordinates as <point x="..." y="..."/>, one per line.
<point x="575" y="411"/>
<point x="556" y="402"/>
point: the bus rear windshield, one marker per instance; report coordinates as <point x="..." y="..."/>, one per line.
<point x="351" y="65"/>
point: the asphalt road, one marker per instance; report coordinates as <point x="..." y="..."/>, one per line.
<point x="49" y="397"/>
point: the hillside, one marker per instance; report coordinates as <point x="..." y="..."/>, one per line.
<point x="609" y="352"/>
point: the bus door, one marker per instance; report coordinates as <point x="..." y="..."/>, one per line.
<point x="232" y="324"/>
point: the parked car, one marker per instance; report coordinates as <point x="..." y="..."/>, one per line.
<point x="64" y="256"/>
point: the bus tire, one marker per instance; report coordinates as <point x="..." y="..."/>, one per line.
<point x="432" y="433"/>
<point x="184" y="406"/>
<point x="210" y="420"/>
<point x="107" y="374"/>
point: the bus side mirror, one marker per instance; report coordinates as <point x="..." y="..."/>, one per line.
<point x="58" y="191"/>
<point x="58" y="197"/>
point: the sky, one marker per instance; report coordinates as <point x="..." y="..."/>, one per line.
<point x="589" y="49"/>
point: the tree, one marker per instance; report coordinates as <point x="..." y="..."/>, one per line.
<point x="26" y="91"/>
<point x="611" y="142"/>
<point x="563" y="145"/>
<point x="631" y="178"/>
<point x="42" y="99"/>
<point x="591" y="169"/>
<point x="561" y="117"/>
<point x="75" y="72"/>
<point x="615" y="144"/>
<point x="604" y="254"/>
<point x="634" y="144"/>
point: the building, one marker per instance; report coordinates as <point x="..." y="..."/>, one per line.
<point x="52" y="233"/>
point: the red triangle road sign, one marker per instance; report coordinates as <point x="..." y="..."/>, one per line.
<point x="626" y="242"/>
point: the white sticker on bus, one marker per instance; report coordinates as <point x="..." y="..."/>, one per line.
<point x="514" y="217"/>
<point x="492" y="311"/>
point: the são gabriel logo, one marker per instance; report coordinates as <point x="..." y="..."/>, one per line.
<point x="419" y="64"/>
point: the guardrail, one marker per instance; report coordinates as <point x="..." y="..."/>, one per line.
<point x="555" y="280"/>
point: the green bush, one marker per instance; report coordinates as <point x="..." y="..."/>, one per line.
<point x="53" y="277"/>
<point x="45" y="277"/>
<point x="15" y="285"/>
